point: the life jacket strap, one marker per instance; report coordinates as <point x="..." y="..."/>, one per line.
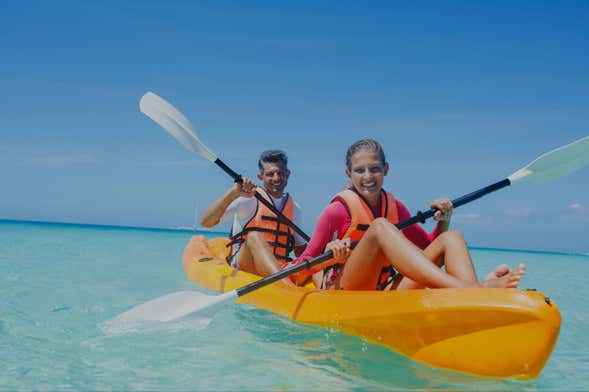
<point x="279" y="219"/>
<point x="330" y="274"/>
<point x="262" y="230"/>
<point x="289" y="246"/>
<point x="235" y="241"/>
<point x="231" y="256"/>
<point x="386" y="276"/>
<point x="279" y="245"/>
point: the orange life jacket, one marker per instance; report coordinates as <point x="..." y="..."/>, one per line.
<point x="361" y="215"/>
<point x="275" y="229"/>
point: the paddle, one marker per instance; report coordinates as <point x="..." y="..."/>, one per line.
<point x="551" y="165"/>
<point x="174" y="122"/>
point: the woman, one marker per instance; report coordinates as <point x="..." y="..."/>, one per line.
<point x="367" y="213"/>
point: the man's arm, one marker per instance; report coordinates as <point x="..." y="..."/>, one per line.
<point x="215" y="211"/>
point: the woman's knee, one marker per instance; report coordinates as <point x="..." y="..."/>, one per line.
<point x="452" y="236"/>
<point x="380" y="224"/>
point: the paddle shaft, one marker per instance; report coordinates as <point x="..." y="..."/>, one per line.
<point x="237" y="178"/>
<point x="422" y="216"/>
<point x="169" y="118"/>
<point x="419" y="217"/>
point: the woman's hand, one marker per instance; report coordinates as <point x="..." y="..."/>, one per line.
<point x="444" y="209"/>
<point x="246" y="188"/>
<point x="340" y="248"/>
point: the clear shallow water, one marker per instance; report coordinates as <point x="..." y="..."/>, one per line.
<point x="61" y="282"/>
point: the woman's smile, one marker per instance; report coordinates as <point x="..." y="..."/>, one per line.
<point x="366" y="173"/>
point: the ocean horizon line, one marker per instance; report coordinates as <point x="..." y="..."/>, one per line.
<point x="120" y="227"/>
<point x="206" y="230"/>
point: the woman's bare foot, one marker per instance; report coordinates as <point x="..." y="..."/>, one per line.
<point x="509" y="280"/>
<point x="499" y="271"/>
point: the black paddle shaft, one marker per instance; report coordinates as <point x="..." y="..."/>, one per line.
<point x="422" y="216"/>
<point x="419" y="217"/>
<point x="238" y="178"/>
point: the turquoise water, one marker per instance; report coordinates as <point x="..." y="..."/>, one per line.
<point x="61" y="282"/>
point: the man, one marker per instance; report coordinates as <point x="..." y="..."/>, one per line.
<point x="255" y="224"/>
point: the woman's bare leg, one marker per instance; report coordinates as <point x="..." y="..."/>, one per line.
<point x="362" y="267"/>
<point x="448" y="249"/>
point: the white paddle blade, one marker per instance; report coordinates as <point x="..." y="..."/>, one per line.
<point x="556" y="163"/>
<point x="169" y="118"/>
<point x="174" y="306"/>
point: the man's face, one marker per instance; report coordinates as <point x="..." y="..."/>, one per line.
<point x="274" y="178"/>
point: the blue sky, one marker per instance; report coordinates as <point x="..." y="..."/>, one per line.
<point x="460" y="93"/>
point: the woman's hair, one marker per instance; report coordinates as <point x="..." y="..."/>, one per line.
<point x="365" y="144"/>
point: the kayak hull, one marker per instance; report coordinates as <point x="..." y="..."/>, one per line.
<point x="500" y="333"/>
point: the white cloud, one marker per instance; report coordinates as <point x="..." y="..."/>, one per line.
<point x="576" y="209"/>
<point x="575" y="212"/>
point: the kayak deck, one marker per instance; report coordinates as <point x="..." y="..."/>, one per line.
<point x="499" y="333"/>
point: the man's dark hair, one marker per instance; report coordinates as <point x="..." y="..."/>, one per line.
<point x="272" y="156"/>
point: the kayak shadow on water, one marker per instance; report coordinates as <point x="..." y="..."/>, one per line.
<point x="354" y="359"/>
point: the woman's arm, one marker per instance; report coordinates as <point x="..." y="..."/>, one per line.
<point x="333" y="219"/>
<point x="415" y="233"/>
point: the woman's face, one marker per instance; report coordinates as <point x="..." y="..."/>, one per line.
<point x="367" y="174"/>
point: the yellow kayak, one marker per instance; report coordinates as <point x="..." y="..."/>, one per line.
<point x="501" y="333"/>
